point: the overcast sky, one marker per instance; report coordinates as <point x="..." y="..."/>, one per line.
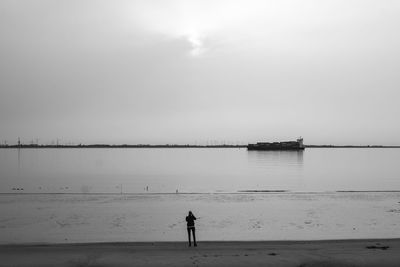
<point x="191" y="71"/>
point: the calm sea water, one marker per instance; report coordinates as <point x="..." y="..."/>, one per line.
<point x="197" y="170"/>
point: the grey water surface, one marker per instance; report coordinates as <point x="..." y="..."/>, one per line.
<point x="197" y="170"/>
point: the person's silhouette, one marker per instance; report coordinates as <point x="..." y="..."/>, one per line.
<point x="190" y="227"/>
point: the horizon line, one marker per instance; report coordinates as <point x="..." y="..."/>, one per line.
<point x="105" y="145"/>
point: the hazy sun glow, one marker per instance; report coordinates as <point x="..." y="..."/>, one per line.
<point x="197" y="43"/>
<point x="194" y="21"/>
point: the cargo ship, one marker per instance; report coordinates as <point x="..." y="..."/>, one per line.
<point x="288" y="145"/>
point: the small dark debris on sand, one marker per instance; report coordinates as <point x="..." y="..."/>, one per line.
<point x="272" y="254"/>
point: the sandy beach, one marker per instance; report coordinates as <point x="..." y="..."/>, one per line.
<point x="221" y="217"/>
<point x="372" y="252"/>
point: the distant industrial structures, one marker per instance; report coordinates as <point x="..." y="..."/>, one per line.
<point x="120" y="146"/>
<point x="58" y="144"/>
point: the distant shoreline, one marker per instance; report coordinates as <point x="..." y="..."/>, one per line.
<point x="349" y="146"/>
<point x="239" y="192"/>
<point x="179" y="146"/>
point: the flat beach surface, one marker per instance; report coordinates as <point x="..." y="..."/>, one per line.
<point x="69" y="218"/>
<point x="372" y="252"/>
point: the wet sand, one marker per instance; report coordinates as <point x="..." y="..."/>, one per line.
<point x="372" y="252"/>
<point x="91" y="218"/>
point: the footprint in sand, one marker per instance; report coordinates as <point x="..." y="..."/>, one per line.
<point x="118" y="221"/>
<point x="394" y="210"/>
<point x="255" y="224"/>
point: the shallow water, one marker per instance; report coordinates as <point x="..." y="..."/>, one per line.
<point x="197" y="170"/>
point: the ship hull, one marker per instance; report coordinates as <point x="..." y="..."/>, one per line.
<point x="269" y="148"/>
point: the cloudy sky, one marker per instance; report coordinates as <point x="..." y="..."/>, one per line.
<point x="182" y="71"/>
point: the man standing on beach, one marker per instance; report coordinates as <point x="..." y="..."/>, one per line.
<point x="190" y="227"/>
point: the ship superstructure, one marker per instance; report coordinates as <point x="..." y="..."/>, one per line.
<point x="287" y="145"/>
